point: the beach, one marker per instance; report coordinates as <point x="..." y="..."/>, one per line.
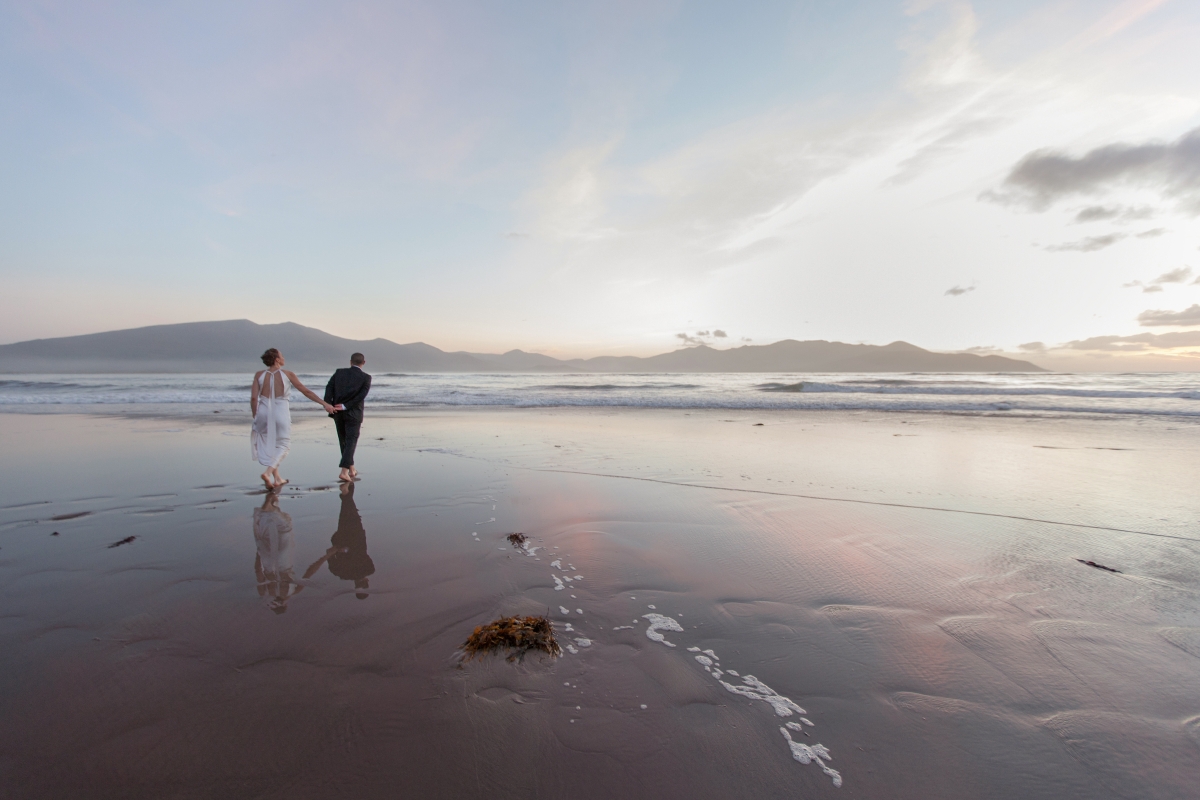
<point x="758" y="602"/>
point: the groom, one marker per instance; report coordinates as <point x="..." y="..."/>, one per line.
<point x="346" y="391"/>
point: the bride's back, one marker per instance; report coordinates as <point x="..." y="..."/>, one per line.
<point x="278" y="386"/>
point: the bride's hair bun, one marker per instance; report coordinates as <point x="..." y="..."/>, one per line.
<point x="270" y="357"/>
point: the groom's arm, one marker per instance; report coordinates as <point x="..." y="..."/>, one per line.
<point x="329" y="390"/>
<point x="358" y="397"/>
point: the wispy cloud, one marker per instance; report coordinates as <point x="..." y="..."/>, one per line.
<point x="1089" y="244"/>
<point x="1140" y="342"/>
<point x="1117" y="213"/>
<point x="958" y="291"/>
<point x="1098" y="213"/>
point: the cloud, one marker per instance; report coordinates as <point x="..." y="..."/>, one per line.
<point x="1139" y="342"/>
<point x="1032" y="347"/>
<point x="1097" y="213"/>
<point x="1152" y="233"/>
<point x="1189" y="317"/>
<point x="1044" y="177"/>
<point x="958" y="291"/>
<point x="700" y="336"/>
<point x="1118" y="213"/>
<point x="983" y="349"/>
<point x="1089" y="244"/>
<point x="1179" y="275"/>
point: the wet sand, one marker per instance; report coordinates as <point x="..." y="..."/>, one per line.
<point x="912" y="583"/>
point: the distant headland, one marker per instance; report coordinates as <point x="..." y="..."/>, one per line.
<point x="234" y="346"/>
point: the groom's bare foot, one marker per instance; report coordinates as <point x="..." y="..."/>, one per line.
<point x="345" y="476"/>
<point x="353" y="473"/>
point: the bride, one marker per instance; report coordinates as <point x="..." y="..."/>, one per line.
<point x="271" y="435"/>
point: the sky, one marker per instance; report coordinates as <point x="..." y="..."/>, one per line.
<point x="611" y="178"/>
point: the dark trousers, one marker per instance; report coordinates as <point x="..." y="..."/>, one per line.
<point x="347" y="430"/>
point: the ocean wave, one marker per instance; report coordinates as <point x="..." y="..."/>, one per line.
<point x="903" y="382"/>
<point x="969" y="388"/>
<point x="48" y="386"/>
<point x="747" y="403"/>
<point x="609" y="387"/>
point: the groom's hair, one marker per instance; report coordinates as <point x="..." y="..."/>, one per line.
<point x="358" y="359"/>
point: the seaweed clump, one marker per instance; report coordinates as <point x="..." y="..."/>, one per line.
<point x="519" y="634"/>
<point x="516" y="539"/>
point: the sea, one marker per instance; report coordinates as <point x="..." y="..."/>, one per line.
<point x="1054" y="394"/>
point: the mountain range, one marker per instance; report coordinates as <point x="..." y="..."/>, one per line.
<point x="234" y="346"/>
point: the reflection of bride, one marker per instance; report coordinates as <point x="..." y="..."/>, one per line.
<point x="273" y="562"/>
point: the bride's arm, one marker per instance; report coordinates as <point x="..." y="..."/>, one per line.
<point x="304" y="390"/>
<point x="254" y="395"/>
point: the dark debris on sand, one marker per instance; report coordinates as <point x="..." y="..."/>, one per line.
<point x="519" y="634"/>
<point x="517" y="539"/>
<point x="126" y="540"/>
<point x="1098" y="566"/>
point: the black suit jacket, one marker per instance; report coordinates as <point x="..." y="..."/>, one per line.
<point x="348" y="387"/>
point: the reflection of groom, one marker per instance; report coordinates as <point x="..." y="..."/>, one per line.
<point x="347" y="554"/>
<point x="346" y="391"/>
<point x="350" y="562"/>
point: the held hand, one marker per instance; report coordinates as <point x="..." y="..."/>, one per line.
<point x="328" y="408"/>
<point x="340" y="407"/>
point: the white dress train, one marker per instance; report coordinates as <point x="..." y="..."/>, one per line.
<point x="271" y="434"/>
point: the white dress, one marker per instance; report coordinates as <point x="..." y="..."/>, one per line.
<point x="271" y="434"/>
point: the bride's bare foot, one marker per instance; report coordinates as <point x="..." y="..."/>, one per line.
<point x="282" y="483"/>
<point x="266" y="478"/>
